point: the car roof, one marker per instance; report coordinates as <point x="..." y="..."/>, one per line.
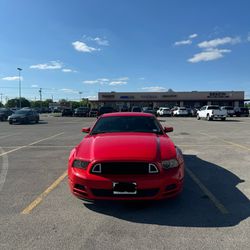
<point x="127" y="114"/>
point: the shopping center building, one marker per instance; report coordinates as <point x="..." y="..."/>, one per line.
<point x="170" y="99"/>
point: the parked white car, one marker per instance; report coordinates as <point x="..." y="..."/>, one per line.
<point x="211" y="112"/>
<point x="229" y="109"/>
<point x="164" y="111"/>
<point x="180" y="111"/>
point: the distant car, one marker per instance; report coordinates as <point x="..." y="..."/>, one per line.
<point x="5" y="113"/>
<point x="211" y="112"/>
<point x="149" y="110"/>
<point x="241" y="111"/>
<point x="126" y="156"/>
<point x="164" y="111"/>
<point x="229" y="109"/>
<point x="124" y="109"/>
<point x="81" y="111"/>
<point x="24" y="116"/>
<point x="106" y="109"/>
<point x="93" y="112"/>
<point x="136" y="109"/>
<point x="180" y="111"/>
<point x="67" y="112"/>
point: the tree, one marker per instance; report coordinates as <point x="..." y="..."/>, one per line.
<point x="1" y="105"/>
<point x="14" y="103"/>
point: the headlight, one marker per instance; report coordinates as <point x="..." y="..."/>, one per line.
<point x="173" y="163"/>
<point x="80" y="164"/>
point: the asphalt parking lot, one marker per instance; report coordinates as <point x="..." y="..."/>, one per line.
<point x="38" y="211"/>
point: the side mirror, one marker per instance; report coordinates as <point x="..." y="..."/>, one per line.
<point x="86" y="130"/>
<point x="168" y="129"/>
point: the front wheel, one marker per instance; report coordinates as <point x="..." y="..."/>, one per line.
<point x="223" y="119"/>
<point x="198" y="117"/>
<point x="209" y="118"/>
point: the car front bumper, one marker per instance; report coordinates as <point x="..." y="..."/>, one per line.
<point x="148" y="187"/>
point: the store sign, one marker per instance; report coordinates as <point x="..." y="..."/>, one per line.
<point x="126" y="97"/>
<point x="108" y="96"/>
<point x="169" y="96"/>
<point x="148" y="96"/>
<point x="218" y="95"/>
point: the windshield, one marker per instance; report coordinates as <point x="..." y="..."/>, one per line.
<point x="127" y="124"/>
<point x="213" y="107"/>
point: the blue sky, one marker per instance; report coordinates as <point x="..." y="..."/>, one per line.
<point x="67" y="47"/>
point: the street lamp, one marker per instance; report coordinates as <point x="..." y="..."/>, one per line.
<point x="19" y="70"/>
<point x="80" y="93"/>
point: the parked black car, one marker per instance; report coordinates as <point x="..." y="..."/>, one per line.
<point x="104" y="110"/>
<point x="241" y="111"/>
<point x="5" y="113"/>
<point x="93" y="112"/>
<point x="136" y="109"/>
<point x="24" y="116"/>
<point x="149" y="110"/>
<point x="67" y="112"/>
<point x="81" y="111"/>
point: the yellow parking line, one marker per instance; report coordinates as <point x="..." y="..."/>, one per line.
<point x="215" y="201"/>
<point x="40" y="198"/>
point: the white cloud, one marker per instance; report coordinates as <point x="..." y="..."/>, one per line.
<point x="184" y="42"/>
<point x="122" y="79"/>
<point x="154" y="89"/>
<point x="193" y="36"/>
<point x="51" y="65"/>
<point x="106" y="81"/>
<point x="219" y="41"/>
<point x="12" y="78"/>
<point x="68" y="70"/>
<point x="103" y="79"/>
<point x="115" y="83"/>
<point x="83" y="47"/>
<point x="34" y="86"/>
<point x="69" y="91"/>
<point x="91" y="81"/>
<point x="208" y="55"/>
<point x="100" y="41"/>
<point x="248" y="38"/>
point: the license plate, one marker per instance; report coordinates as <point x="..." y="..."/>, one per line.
<point x="124" y="188"/>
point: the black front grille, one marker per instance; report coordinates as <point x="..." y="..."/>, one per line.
<point x="123" y="168"/>
<point x="140" y="193"/>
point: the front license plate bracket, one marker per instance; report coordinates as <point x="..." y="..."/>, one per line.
<point x="124" y="188"/>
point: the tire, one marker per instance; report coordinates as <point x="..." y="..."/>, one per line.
<point x="208" y="118"/>
<point x="223" y="119"/>
<point x="10" y="122"/>
<point x="198" y="117"/>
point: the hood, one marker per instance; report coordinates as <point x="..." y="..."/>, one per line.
<point x="126" y="147"/>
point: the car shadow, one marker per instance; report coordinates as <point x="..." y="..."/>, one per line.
<point x="192" y="208"/>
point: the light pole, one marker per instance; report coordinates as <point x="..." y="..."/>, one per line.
<point x="19" y="70"/>
<point x="80" y="93"/>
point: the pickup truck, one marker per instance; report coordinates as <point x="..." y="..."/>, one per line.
<point x="179" y="111"/>
<point x="211" y="112"/>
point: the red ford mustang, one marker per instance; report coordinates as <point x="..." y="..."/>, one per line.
<point x="126" y="156"/>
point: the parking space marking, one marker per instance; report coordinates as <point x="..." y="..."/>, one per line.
<point x="33" y="143"/>
<point x="40" y="198"/>
<point x="5" y="136"/>
<point x="212" y="198"/>
<point x="229" y="142"/>
<point x="45" y="139"/>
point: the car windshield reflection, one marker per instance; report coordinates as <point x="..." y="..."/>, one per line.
<point x="127" y="124"/>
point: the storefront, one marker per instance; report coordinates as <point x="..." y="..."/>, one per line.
<point x="170" y="99"/>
